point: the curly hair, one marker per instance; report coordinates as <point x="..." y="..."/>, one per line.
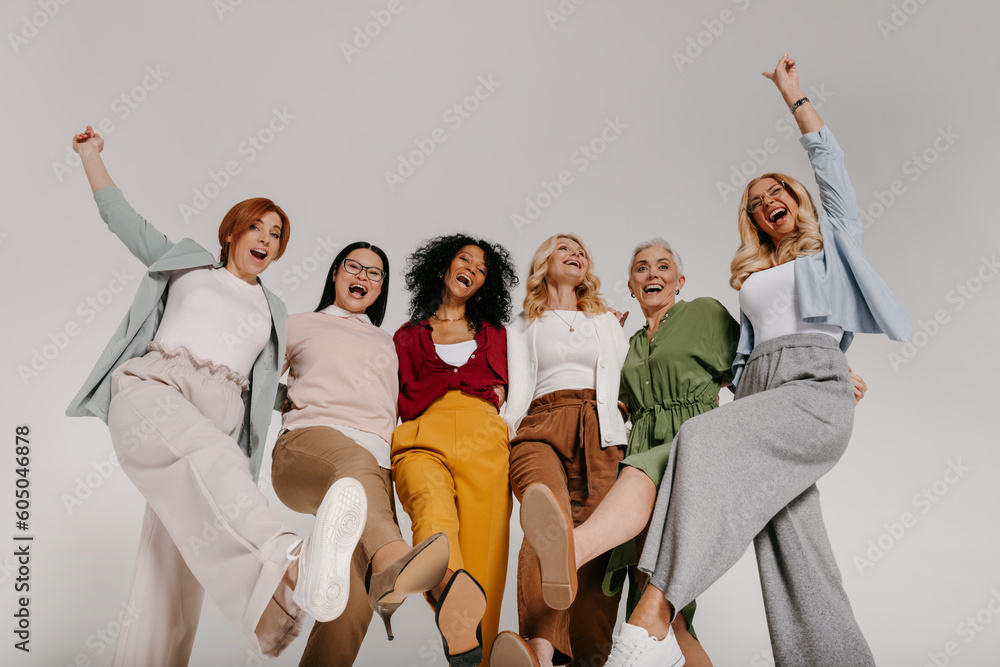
<point x="757" y="251"/>
<point x="424" y="280"/>
<point x="588" y="292"/>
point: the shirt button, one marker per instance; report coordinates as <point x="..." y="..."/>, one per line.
<point x="647" y="381"/>
<point x="456" y="370"/>
<point x="472" y="357"/>
<point x="604" y="364"/>
<point x="607" y="438"/>
<point x="600" y="400"/>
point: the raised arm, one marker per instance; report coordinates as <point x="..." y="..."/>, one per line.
<point x="89" y="145"/>
<point x="786" y="77"/>
<point x="142" y="239"/>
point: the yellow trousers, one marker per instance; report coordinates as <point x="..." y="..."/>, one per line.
<point x="450" y="466"/>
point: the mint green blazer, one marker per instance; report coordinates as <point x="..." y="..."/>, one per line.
<point x="162" y="257"/>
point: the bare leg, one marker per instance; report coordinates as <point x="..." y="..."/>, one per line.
<point x="544" y="651"/>
<point x="291" y="574"/>
<point x="439" y="589"/>
<point x="388" y="554"/>
<point x="621" y="516"/>
<point x="694" y="654"/>
<point x="653" y="613"/>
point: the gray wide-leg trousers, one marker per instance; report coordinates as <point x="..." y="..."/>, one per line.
<point x="747" y="472"/>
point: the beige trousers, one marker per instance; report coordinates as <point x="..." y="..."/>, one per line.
<point x="207" y="527"/>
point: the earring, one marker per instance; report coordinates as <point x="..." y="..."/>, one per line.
<point x="676" y="292"/>
<point x="632" y="294"/>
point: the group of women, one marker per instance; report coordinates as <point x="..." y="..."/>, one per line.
<point x="462" y="406"/>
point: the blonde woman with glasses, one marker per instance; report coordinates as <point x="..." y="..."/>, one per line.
<point x="747" y="471"/>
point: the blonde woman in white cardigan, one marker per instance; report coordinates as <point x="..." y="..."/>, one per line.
<point x="564" y="358"/>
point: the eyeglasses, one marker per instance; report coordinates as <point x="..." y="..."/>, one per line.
<point x="772" y="193"/>
<point x="374" y="273"/>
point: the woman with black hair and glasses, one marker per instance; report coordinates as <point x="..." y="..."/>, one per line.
<point x="337" y="421"/>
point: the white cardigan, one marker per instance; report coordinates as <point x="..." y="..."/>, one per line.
<point x="522" y="373"/>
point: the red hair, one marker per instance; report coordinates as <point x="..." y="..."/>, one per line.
<point x="240" y="217"/>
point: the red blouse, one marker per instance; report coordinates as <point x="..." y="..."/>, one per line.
<point x="424" y="377"/>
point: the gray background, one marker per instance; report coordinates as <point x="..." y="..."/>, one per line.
<point x="890" y="78"/>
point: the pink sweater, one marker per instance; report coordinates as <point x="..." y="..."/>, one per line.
<point x="341" y="371"/>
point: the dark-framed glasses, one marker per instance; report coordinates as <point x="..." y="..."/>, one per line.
<point x="374" y="273"/>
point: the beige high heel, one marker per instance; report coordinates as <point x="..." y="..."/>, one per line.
<point x="419" y="569"/>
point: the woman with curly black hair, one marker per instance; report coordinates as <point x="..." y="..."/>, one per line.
<point x="450" y="454"/>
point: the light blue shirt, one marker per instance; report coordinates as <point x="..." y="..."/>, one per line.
<point x="837" y="285"/>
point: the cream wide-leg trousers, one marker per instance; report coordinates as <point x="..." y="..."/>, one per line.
<point x="174" y="423"/>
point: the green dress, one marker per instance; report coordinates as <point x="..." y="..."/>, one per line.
<point x="676" y="376"/>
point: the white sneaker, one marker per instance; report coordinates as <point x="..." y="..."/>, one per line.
<point x="323" y="586"/>
<point x="633" y="647"/>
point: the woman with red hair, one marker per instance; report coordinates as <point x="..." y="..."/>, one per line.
<point x="187" y="386"/>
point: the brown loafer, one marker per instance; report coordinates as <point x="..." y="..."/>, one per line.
<point x="550" y="532"/>
<point x="510" y="650"/>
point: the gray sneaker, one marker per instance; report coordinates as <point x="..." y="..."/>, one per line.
<point x="633" y="647"/>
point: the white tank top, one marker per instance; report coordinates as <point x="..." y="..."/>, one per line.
<point x="566" y="359"/>
<point x="769" y="300"/>
<point x="456" y="354"/>
<point x="215" y="316"/>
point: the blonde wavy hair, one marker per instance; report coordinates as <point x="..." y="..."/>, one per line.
<point x="588" y="292"/>
<point x="757" y="251"/>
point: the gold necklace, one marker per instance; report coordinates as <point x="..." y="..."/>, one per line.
<point x="437" y="317"/>
<point x="569" y="324"/>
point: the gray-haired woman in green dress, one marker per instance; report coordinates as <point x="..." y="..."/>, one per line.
<point x="676" y="366"/>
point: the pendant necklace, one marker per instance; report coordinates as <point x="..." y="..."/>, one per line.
<point x="569" y="324"/>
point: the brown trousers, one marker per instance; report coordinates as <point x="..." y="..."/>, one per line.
<point x="306" y="462"/>
<point x="558" y="444"/>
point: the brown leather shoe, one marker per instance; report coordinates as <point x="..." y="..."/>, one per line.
<point x="510" y="650"/>
<point x="550" y="532"/>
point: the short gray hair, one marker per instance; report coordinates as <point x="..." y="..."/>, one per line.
<point x="658" y="242"/>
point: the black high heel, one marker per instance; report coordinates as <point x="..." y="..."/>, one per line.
<point x="469" y="600"/>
